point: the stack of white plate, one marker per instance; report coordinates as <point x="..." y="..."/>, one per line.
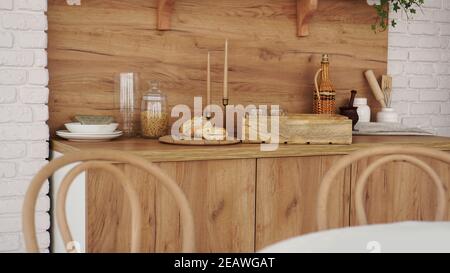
<point x="92" y="133"/>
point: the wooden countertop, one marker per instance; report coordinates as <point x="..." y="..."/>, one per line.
<point x="158" y="152"/>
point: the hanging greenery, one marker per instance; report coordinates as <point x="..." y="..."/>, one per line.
<point x="383" y="7"/>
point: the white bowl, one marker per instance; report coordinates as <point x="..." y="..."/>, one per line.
<point x="77" y="127"/>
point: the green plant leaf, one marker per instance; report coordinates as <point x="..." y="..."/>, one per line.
<point x="408" y="6"/>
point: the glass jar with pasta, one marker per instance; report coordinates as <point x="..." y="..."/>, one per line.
<point x="154" y="116"/>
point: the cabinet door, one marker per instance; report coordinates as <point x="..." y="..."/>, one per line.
<point x="221" y="193"/>
<point x="286" y="197"/>
<point x="399" y="191"/>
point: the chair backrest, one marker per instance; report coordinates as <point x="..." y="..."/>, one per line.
<point x="100" y="159"/>
<point x="390" y="154"/>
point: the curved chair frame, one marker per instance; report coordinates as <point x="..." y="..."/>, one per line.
<point x="390" y="153"/>
<point x="100" y="159"/>
<point x="133" y="199"/>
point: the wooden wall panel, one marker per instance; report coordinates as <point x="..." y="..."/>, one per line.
<point x="286" y="197"/>
<point x="221" y="193"/>
<point x="269" y="64"/>
<point x="399" y="192"/>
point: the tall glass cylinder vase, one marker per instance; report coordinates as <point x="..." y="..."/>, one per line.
<point x="127" y="102"/>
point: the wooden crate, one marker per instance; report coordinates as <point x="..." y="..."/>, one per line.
<point x="300" y="129"/>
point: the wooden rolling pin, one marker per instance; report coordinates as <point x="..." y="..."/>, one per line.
<point x="376" y="90"/>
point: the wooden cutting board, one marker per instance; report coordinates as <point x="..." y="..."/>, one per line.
<point x="301" y="129"/>
<point x="202" y="142"/>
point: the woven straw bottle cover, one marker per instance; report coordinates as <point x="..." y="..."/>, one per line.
<point x="325" y="94"/>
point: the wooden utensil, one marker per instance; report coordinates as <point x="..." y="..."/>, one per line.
<point x="386" y="86"/>
<point x="376" y="90"/>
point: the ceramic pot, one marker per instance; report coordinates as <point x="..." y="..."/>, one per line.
<point x="363" y="109"/>
<point x="387" y="115"/>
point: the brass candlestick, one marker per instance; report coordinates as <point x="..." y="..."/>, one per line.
<point x="225" y="102"/>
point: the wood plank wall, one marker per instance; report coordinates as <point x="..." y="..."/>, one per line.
<point x="269" y="64"/>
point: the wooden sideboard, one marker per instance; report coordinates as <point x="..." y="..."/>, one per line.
<point x="245" y="199"/>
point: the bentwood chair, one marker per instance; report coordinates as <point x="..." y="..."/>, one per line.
<point x="100" y="159"/>
<point x="397" y="237"/>
<point x="389" y="154"/>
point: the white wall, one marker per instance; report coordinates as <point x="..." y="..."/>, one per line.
<point x="419" y="59"/>
<point x="23" y="115"/>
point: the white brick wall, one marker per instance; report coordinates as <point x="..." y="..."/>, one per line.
<point x="23" y="115"/>
<point x="419" y="60"/>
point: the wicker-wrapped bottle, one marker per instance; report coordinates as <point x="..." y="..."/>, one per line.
<point x="325" y="94"/>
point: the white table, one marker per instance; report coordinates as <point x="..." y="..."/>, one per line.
<point x="390" y="238"/>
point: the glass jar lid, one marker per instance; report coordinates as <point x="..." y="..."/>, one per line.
<point x="154" y="93"/>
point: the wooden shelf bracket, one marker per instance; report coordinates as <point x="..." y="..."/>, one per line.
<point x="305" y="11"/>
<point x="165" y="11"/>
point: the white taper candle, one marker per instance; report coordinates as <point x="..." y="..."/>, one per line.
<point x="208" y="81"/>
<point x="225" y="77"/>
